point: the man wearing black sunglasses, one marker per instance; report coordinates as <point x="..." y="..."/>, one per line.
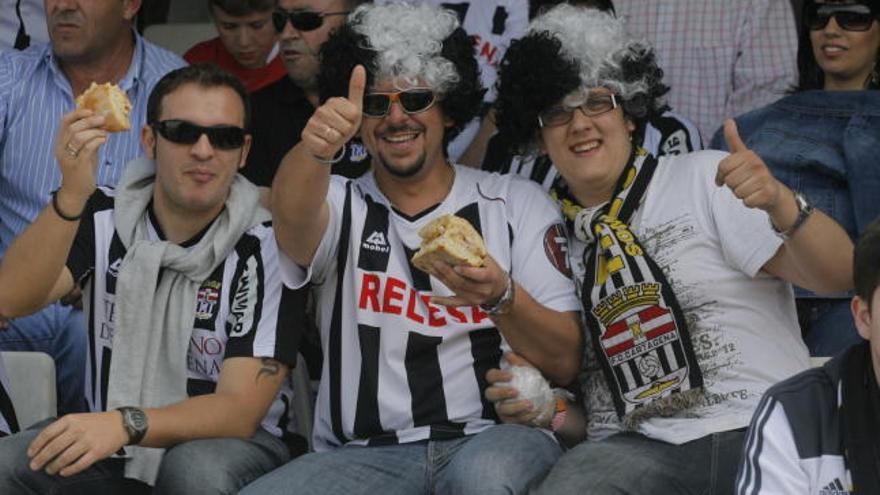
<point x="187" y="350"/>
<point x="406" y="351"/>
<point x="282" y="108"/>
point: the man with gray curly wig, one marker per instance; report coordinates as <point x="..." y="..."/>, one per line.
<point x="400" y="408"/>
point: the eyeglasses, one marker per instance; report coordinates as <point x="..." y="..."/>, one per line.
<point x="562" y="114"/>
<point x="302" y="20"/>
<point x="856" y="17"/>
<point x="414" y="100"/>
<point x="224" y="137"/>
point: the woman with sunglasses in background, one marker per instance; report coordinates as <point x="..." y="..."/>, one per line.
<point x="684" y="283"/>
<point x="823" y="140"/>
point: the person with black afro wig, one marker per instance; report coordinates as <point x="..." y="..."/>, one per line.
<point x="683" y="265"/>
<point x="408" y="345"/>
<point x="540" y="72"/>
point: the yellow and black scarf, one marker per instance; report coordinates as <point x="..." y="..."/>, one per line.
<point x="637" y="327"/>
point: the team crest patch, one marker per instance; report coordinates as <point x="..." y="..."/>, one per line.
<point x="206" y="300"/>
<point x="556" y="248"/>
<point x="641" y="344"/>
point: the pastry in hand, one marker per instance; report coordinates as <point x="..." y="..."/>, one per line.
<point x="111" y="102"/>
<point x="452" y="240"/>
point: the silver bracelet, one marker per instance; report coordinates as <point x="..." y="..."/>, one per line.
<point x="336" y="158"/>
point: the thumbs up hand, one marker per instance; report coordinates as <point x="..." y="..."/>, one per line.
<point x="336" y="121"/>
<point x="746" y="174"/>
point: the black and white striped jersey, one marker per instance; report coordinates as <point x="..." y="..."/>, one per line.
<point x="795" y="443"/>
<point x="668" y="134"/>
<point x="398" y="368"/>
<point x="245" y="288"/>
<point x="8" y="420"/>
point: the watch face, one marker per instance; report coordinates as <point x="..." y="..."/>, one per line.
<point x="137" y="418"/>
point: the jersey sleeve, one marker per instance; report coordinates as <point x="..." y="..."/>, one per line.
<point x="539" y="252"/>
<point x="8" y="421"/>
<point x="265" y="317"/>
<point x="81" y="258"/>
<point x="296" y="276"/>
<point x="770" y="462"/>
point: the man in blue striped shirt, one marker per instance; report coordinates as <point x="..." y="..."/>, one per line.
<point x="89" y="41"/>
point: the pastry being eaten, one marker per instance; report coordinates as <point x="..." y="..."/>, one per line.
<point x="111" y="102"/>
<point x="452" y="240"/>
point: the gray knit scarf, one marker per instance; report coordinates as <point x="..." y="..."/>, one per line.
<point x="155" y="315"/>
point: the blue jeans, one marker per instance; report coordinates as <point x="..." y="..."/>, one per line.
<point x="210" y="466"/>
<point x="827" y="325"/>
<point x="502" y="459"/>
<point x="632" y="464"/>
<point x="59" y="331"/>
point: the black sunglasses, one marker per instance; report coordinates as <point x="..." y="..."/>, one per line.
<point x="302" y="20"/>
<point x="413" y="100"/>
<point x="224" y="137"/>
<point x="854" y="17"/>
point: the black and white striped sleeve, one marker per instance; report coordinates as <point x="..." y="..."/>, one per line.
<point x="81" y="258"/>
<point x="771" y="463"/>
<point x="8" y="421"/>
<point x="265" y="317"/>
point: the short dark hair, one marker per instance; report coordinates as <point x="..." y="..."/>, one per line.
<point x="866" y="262"/>
<point x="205" y="75"/>
<point x="810" y="75"/>
<point x="535" y="74"/>
<point x="346" y="48"/>
<point x="242" y="7"/>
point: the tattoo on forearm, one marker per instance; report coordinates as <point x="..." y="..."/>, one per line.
<point x="270" y="368"/>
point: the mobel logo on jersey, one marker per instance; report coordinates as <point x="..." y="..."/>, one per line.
<point x="389" y="295"/>
<point x="376" y="242"/>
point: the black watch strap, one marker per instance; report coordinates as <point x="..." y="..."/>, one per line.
<point x="134" y="420"/>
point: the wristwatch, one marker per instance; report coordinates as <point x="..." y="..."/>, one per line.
<point x="134" y="420"/>
<point x="502" y="305"/>
<point x="805" y="208"/>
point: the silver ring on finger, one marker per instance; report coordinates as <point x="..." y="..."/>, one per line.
<point x="71" y="150"/>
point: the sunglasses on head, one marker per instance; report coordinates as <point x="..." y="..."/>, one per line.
<point x="562" y="114"/>
<point x="302" y="20"/>
<point x="851" y="17"/>
<point x="224" y="137"/>
<point x="413" y="100"/>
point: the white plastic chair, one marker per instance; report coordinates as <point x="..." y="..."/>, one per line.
<point x="31" y="382"/>
<point x="179" y="37"/>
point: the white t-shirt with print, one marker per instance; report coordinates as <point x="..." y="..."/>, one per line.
<point x="742" y="320"/>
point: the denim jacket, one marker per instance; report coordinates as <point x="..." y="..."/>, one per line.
<point x="825" y="144"/>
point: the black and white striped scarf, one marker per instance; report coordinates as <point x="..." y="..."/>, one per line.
<point x="637" y="326"/>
